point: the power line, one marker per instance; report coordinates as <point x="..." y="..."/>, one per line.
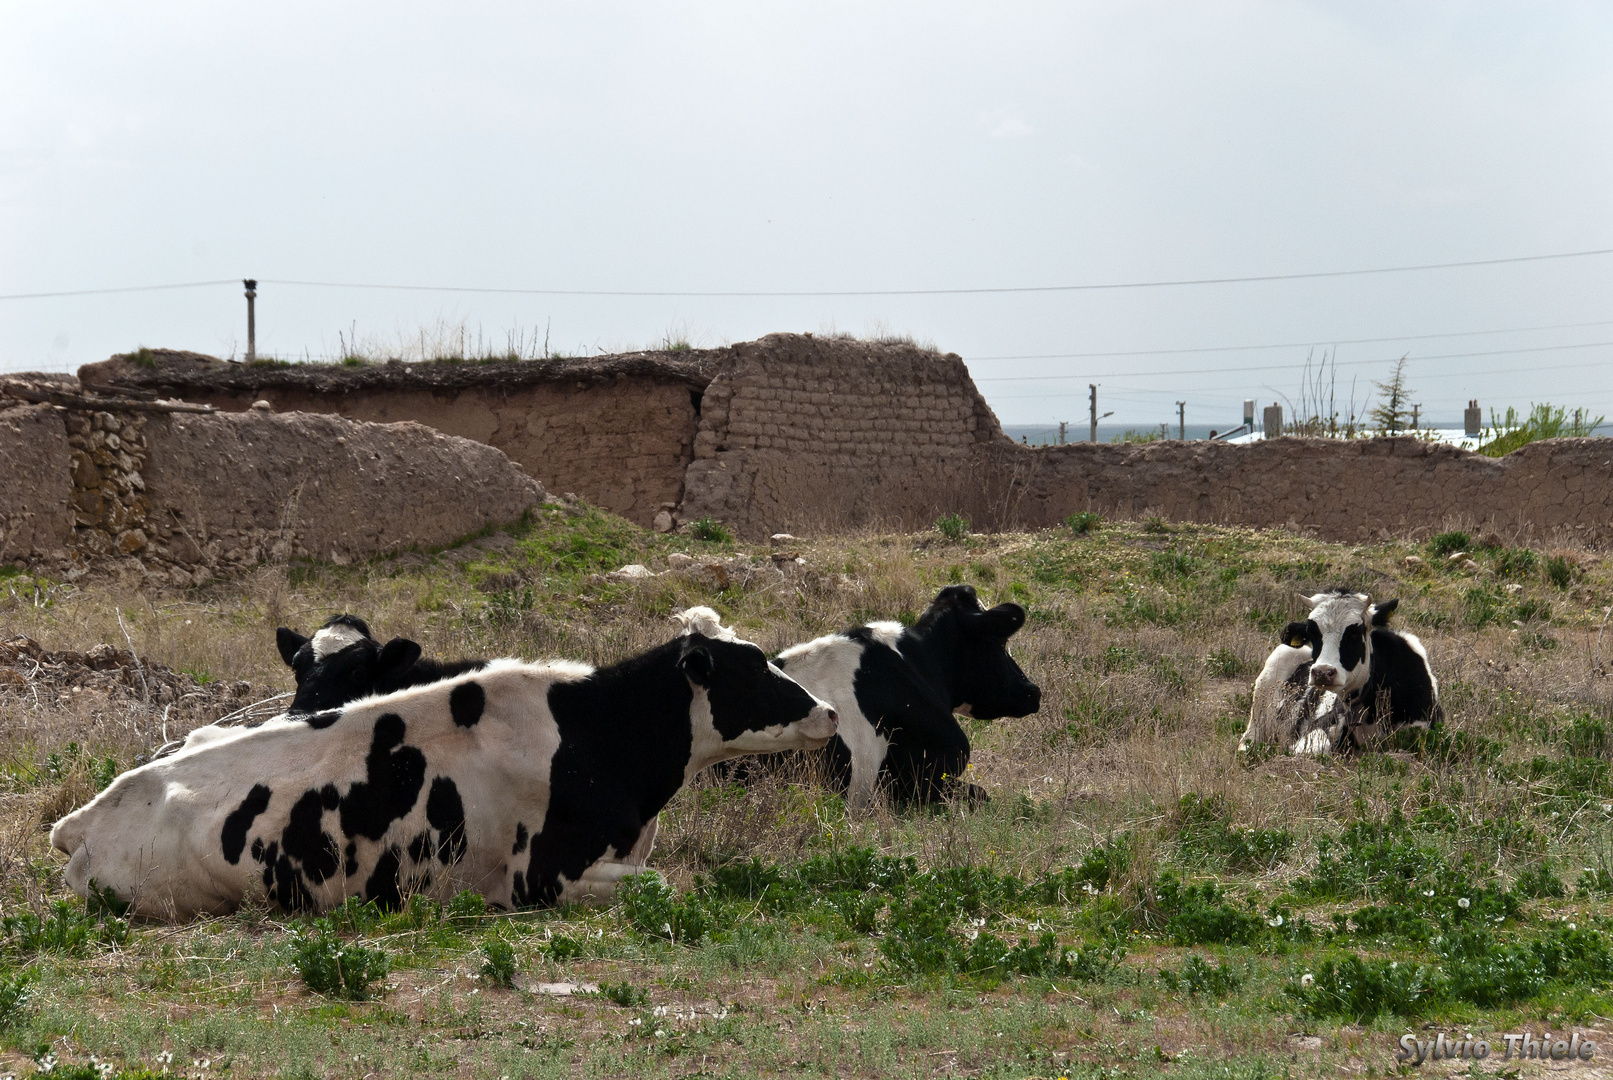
<point x="1088" y="287"/>
<point x="1292" y="344"/>
<point x="1283" y="367"/>
<point x="1091" y="287"/>
<point x="122" y="289"/>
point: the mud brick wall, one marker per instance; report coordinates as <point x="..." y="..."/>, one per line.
<point x="619" y="431"/>
<point x="1356" y="490"/>
<point x="812" y="434"/>
<point x="36" y="488"/>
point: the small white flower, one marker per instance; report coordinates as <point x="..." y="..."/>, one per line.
<point x="1307" y="980"/>
<point x="660" y="1033"/>
<point x="1430" y="892"/>
<point x="1276" y="920"/>
<point x="165" y="1057"/>
<point x="635" y="1022"/>
<point x="659" y="1010"/>
<point x="1572" y="926"/>
<point x="1464" y="903"/>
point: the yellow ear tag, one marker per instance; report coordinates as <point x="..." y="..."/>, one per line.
<point x="1296" y="643"/>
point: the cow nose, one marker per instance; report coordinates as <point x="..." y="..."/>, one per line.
<point x="834" y="717"/>
<point x="1324" y="675"/>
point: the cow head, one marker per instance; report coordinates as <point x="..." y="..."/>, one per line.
<point x="341" y="662"/>
<point x="986" y="683"/>
<point x="744" y="704"/>
<point x="1339" y="636"/>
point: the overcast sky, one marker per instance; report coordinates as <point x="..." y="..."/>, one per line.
<point x="822" y="147"/>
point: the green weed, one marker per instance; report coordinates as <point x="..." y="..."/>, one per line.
<point x="952" y="527"/>
<point x="708" y="529"/>
<point x="1199" y="977"/>
<point x="498" y="962"/>
<point x="1083" y="522"/>
<point x="334" y="968"/>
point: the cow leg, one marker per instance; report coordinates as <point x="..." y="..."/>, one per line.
<point x="925" y="762"/>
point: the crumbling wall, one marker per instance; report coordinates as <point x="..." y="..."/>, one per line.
<point x="36" y="487"/>
<point x="235" y="489"/>
<point x="618" y="430"/>
<point x="109" y="492"/>
<point x="1337" y="489"/>
<point x="802" y="433"/>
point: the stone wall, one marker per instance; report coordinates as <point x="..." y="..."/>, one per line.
<point x="173" y="498"/>
<point x="36" y="517"/>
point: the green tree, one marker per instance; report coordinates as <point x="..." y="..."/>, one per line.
<point x="1392" y="415"/>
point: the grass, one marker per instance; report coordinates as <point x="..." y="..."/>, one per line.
<point x="1132" y="901"/>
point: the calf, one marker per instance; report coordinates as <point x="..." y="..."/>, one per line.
<point x="1341" y="679"/>
<point x="897" y="690"/>
<point x="529" y="783"/>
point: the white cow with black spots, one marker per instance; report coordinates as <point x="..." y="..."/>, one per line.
<point x="529" y="783"/>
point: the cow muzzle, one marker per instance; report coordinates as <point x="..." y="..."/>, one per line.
<point x="820" y="725"/>
<point x="1325" y="676"/>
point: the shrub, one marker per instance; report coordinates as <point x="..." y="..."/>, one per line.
<point x="1560" y="571"/>
<point x="952" y="527"/>
<point x="334" y="968"/>
<point x="1204" y="830"/>
<point x="1198" y="977"/>
<point x="1199" y="915"/>
<point x="1539" y="882"/>
<point x="498" y="962"/>
<point x="66" y="928"/>
<point x="654" y="910"/>
<point x="708" y="529"/>
<point x="624" y="994"/>
<point x="1083" y="521"/>
<point x="466" y="909"/>
<point x="1360" y="989"/>
<point x="15" y="990"/>
<point x="1515" y="562"/>
<point x="1449" y="543"/>
<point x="1104" y="863"/>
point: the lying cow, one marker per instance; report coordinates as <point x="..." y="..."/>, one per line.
<point x="1341" y="679"/>
<point x="529" y="783"/>
<point x="343" y="662"/>
<point x="897" y="689"/>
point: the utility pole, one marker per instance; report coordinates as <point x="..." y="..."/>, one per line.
<point x="1092" y="389"/>
<point x="1181" y="420"/>
<point x="1414" y="411"/>
<point x="251" y="319"/>
<point x="1064" y="429"/>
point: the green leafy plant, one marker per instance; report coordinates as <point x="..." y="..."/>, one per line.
<point x="498" y="962"/>
<point x="1544" y="421"/>
<point x="708" y="529"/>
<point x="655" y="910"/>
<point x="65" y="928"/>
<point x="1083" y="521"/>
<point x="15" y="989"/>
<point x="466" y="909"/>
<point x="1198" y="976"/>
<point x="1560" y="571"/>
<point x="334" y="968"/>
<point x="1449" y="543"/>
<point x="1360" y="989"/>
<point x="624" y="994"/>
<point x="952" y="527"/>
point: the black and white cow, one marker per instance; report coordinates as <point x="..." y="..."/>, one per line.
<point x="343" y="662"/>
<point x="1341" y="679"/>
<point x="529" y="783"/>
<point x="897" y="689"/>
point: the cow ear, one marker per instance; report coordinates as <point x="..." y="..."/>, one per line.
<point x="1296" y="636"/>
<point x="1000" y="622"/>
<point x="288" y="641"/>
<point x="696" y="663"/>
<point x="398" y="655"/>
<point x="1381" y="612"/>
